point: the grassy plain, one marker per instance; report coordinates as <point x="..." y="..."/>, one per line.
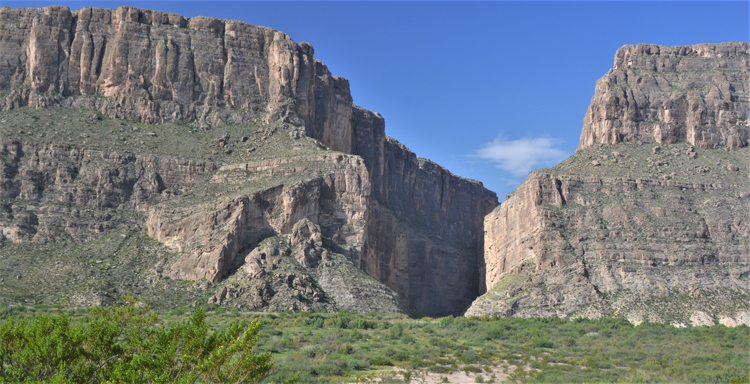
<point x="346" y="347"/>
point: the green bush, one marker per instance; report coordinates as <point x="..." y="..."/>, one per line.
<point x="361" y="323"/>
<point x="122" y="344"/>
<point x="380" y="360"/>
<point x="396" y="331"/>
<point x="472" y="369"/>
<point x="446" y="322"/>
<point x="543" y="343"/>
<point x="440" y="369"/>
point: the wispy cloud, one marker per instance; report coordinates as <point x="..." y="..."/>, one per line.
<point x="519" y="157"/>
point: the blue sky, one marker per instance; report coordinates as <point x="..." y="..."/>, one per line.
<point x="488" y="89"/>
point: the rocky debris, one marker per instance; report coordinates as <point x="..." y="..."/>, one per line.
<point x="732" y="167"/>
<point x="307" y="241"/>
<point x="693" y="94"/>
<point x="276" y="281"/>
<point x="223" y="141"/>
<point x="260" y="259"/>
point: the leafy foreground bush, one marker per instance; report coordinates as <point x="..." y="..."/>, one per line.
<point x="125" y="345"/>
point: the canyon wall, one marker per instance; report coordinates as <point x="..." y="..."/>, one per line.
<point x="695" y="93"/>
<point x="157" y="67"/>
<point x="648" y="220"/>
<point x="417" y="227"/>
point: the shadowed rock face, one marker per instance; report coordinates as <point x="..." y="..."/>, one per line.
<point x="696" y="94"/>
<point x="404" y="220"/>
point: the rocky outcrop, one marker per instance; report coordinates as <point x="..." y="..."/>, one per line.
<point x="647" y="220"/>
<point x="407" y="221"/>
<point x="696" y="94"/>
<point x="59" y="191"/>
<point x="156" y="67"/>
<point x="335" y="204"/>
<point x="646" y="232"/>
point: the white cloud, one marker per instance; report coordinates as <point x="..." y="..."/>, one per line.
<point x="519" y="157"/>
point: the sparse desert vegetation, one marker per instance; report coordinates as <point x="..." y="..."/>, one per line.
<point x="346" y="347"/>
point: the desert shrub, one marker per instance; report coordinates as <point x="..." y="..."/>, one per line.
<point x="360" y="323"/>
<point x="401" y="356"/>
<point x="496" y="330"/>
<point x="445" y="322"/>
<point x="380" y="360"/>
<point x="543" y="343"/>
<point x="329" y="368"/>
<point x="472" y="369"/>
<point x="356" y="364"/>
<point x="311" y="350"/>
<point x="440" y="369"/>
<point x="122" y="344"/>
<point x="406" y="339"/>
<point x="396" y="331"/>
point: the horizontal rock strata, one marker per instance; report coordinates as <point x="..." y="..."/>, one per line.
<point x="406" y="221"/>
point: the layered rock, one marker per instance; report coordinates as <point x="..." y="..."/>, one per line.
<point x="157" y="67"/>
<point x="646" y="232"/>
<point x="406" y="221"/>
<point x="211" y="239"/>
<point x="59" y="190"/>
<point x="696" y="94"/>
<point x="647" y="220"/>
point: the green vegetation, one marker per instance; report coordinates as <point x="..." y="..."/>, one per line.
<point x="126" y="344"/>
<point x="323" y="347"/>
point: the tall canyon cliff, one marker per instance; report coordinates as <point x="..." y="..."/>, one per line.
<point x="207" y="160"/>
<point x="649" y="219"/>
<point x="235" y="149"/>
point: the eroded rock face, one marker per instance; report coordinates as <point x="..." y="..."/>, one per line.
<point x="59" y="191"/>
<point x="627" y="227"/>
<point x="571" y="241"/>
<point x="212" y="239"/>
<point x="155" y="67"/>
<point x="696" y="94"/>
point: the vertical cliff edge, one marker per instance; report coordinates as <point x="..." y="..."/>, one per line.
<point x="649" y="219"/>
<point x="233" y="147"/>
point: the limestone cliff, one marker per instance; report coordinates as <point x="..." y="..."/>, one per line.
<point x="646" y="231"/>
<point x="156" y="67"/>
<point x="696" y="94"/>
<point x="252" y="110"/>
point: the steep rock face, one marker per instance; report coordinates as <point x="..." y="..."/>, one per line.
<point x="648" y="219"/>
<point x="696" y="94"/>
<point x="656" y="238"/>
<point x="212" y="239"/>
<point x="208" y="74"/>
<point x="156" y="67"/>
<point x="425" y="236"/>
